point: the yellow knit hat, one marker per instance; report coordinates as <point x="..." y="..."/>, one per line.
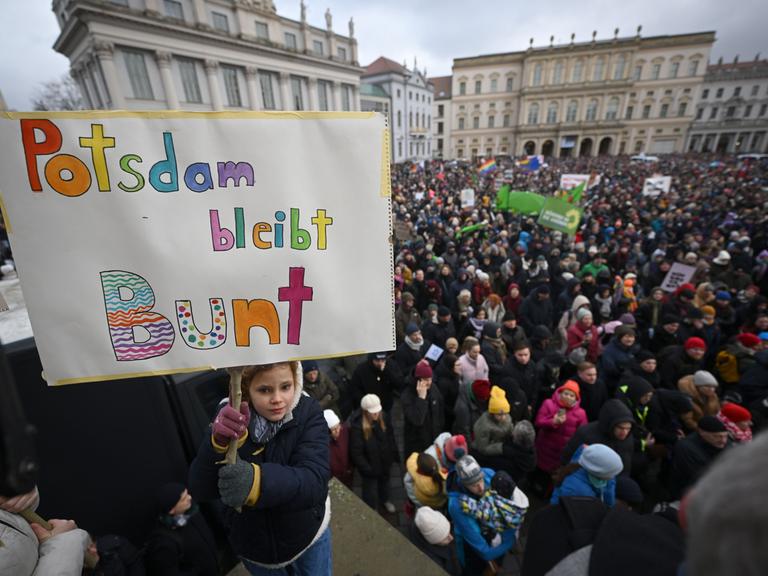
<point x="498" y="403"/>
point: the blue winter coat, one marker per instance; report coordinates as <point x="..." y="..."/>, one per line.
<point x="614" y="360"/>
<point x="578" y="484"/>
<point x="295" y="471"/>
<point x="467" y="529"/>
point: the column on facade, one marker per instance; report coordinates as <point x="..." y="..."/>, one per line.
<point x="77" y="71"/>
<point x="314" y="100"/>
<point x="336" y="98"/>
<point x="356" y="98"/>
<point x="105" y="54"/>
<point x="252" y="85"/>
<point x="285" y="91"/>
<point x="243" y="22"/>
<point x="164" y="64"/>
<point x="212" y="74"/>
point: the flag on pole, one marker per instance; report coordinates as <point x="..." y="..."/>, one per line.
<point x="502" y="198"/>
<point x="575" y="194"/>
<point x="487" y="167"/>
<point x="531" y="163"/>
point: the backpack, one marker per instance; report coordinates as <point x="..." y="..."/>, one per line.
<point x="727" y="366"/>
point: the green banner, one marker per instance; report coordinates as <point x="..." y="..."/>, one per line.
<point x="559" y="215"/>
<point x="520" y="202"/>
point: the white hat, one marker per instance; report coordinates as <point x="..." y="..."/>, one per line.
<point x="331" y="418"/>
<point x="723" y="258"/>
<point x="432" y="525"/>
<point x="371" y="403"/>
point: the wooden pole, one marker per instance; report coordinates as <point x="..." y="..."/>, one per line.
<point x="34" y="518"/>
<point x="235" y="398"/>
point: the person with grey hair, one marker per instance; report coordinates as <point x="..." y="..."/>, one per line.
<point x="726" y="517"/>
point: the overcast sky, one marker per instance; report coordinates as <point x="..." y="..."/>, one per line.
<point x="434" y="31"/>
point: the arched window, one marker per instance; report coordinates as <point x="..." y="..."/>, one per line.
<point x="578" y="71"/>
<point x="597" y="73"/>
<point x="533" y="114"/>
<point x="552" y="113"/>
<point x="557" y="76"/>
<point x="592" y="110"/>
<point x="621" y="64"/>
<point x="612" y="111"/>
<point x="572" y="112"/>
<point x="537" y="75"/>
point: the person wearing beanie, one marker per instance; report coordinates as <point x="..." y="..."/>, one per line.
<point x="645" y="367"/>
<point x="693" y="455"/>
<point x="423" y="410"/>
<point x="583" y="334"/>
<point x="413" y="348"/>
<point x="617" y="356"/>
<point x="511" y="331"/>
<point x="320" y="386"/>
<point x="675" y="362"/>
<point x="495" y="352"/>
<point x="341" y="463"/>
<point x="491" y="430"/>
<point x="431" y="533"/>
<point x="536" y="309"/>
<point x="373" y="449"/>
<point x="666" y="334"/>
<point x="629" y="495"/>
<point x="181" y="541"/>
<point x="738" y="422"/>
<point x="473" y="550"/>
<point x="701" y="387"/>
<point x="470" y="405"/>
<point x="591" y="473"/>
<point x="282" y="465"/>
<point x="725" y="314"/>
<point x="557" y="421"/>
<point x="521" y="369"/>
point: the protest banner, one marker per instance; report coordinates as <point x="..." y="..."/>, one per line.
<point x="559" y="215"/>
<point x="568" y="181"/>
<point x="656" y="185"/>
<point x="678" y="275"/>
<point x="467" y="198"/>
<point x="153" y="243"/>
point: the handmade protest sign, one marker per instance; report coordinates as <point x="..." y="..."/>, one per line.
<point x="655" y="186"/>
<point x="568" y="181"/>
<point x="153" y="243"/>
<point x="678" y="275"/>
<point x="467" y="198"/>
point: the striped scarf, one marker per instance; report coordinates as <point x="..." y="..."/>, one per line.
<point x="492" y="511"/>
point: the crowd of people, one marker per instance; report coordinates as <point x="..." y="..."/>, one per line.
<point x="551" y="386"/>
<point x="534" y="364"/>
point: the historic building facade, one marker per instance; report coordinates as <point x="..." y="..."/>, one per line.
<point x="410" y="96"/>
<point x="624" y="95"/>
<point x="441" y="115"/>
<point x="732" y="111"/>
<point x="205" y="55"/>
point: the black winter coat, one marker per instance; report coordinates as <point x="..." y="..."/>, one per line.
<point x="534" y="312"/>
<point x="424" y="420"/>
<point x="372" y="456"/>
<point x="612" y="413"/>
<point x="675" y="363"/>
<point x="753" y="384"/>
<point x="593" y="396"/>
<point x="366" y="379"/>
<point x="295" y="470"/>
<point x="185" y="551"/>
<point x="690" y="459"/>
<point x="438" y="333"/>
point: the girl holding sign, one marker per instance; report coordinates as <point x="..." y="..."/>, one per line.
<point x="279" y="482"/>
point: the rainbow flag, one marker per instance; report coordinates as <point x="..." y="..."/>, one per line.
<point x="487" y="167"/>
<point x="531" y="163"/>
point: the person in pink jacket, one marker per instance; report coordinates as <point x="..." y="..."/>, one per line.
<point x="472" y="363"/>
<point x="557" y="421"/>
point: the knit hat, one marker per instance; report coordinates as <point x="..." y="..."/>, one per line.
<point x="443" y="311"/>
<point x="644" y="355"/>
<point x="407" y="296"/>
<point x="411" y="328"/>
<point x="695" y="342"/>
<point x="704" y="378"/>
<point x="583" y="313"/>
<point x="432" y="524"/>
<point x="711" y="424"/>
<point x="331" y="418"/>
<point x="708" y="310"/>
<point x="503" y="484"/>
<point x="309" y="365"/>
<point x="456" y="447"/>
<point x="628" y="491"/>
<point x="670" y="319"/>
<point x="722" y="258"/>
<point x="481" y="389"/>
<point x="523" y="434"/>
<point x="509" y="315"/>
<point x="735" y="413"/>
<point x="423" y="370"/>
<point x="723" y="295"/>
<point x="498" y="403"/>
<point x="490" y="330"/>
<point x="571" y="385"/>
<point x="468" y="470"/>
<point x="748" y="340"/>
<point x="628" y="319"/>
<point x="623" y="330"/>
<point x="601" y="461"/>
<point x="168" y="496"/>
<point x="371" y="403"/>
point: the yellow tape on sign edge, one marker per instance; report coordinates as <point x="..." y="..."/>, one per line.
<point x="108" y="377"/>
<point x="158" y="114"/>
<point x="4" y="214"/>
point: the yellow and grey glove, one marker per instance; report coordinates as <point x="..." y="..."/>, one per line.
<point x="239" y="483"/>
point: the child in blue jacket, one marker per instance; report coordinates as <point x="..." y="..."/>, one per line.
<point x="593" y="471"/>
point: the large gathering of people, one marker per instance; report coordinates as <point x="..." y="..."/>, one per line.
<point x="561" y="395"/>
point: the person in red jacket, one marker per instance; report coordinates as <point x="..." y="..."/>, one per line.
<point x="583" y="334"/>
<point x="341" y="464"/>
